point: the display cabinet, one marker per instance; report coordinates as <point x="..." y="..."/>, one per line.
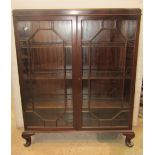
<point x="77" y="69"/>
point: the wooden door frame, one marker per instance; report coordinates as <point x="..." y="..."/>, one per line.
<point x="134" y="58"/>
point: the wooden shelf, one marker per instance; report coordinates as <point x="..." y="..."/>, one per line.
<point x="25" y="44"/>
<point x="108" y="77"/>
<point x="106" y="104"/>
<point x="103" y="44"/>
<point x="130" y="43"/>
<point x="53" y="75"/>
<point x="54" y="102"/>
<point x="100" y="74"/>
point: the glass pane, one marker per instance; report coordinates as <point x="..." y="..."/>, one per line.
<point x="46" y="54"/>
<point x="107" y="51"/>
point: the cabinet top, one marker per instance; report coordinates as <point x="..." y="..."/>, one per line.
<point x="38" y="12"/>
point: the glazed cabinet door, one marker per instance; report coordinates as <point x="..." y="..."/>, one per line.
<point x="106" y="44"/>
<point x="44" y="49"/>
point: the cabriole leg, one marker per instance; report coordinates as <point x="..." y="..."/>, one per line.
<point x="27" y="137"/>
<point x="129" y="137"/>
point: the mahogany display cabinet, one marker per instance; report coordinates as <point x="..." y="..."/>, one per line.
<point x="77" y="69"/>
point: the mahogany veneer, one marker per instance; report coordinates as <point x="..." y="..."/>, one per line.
<point x="77" y="69"/>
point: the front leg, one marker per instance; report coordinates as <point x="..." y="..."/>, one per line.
<point x="129" y="137"/>
<point x="27" y="136"/>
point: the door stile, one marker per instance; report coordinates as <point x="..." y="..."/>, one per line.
<point x="76" y="82"/>
<point x="78" y="61"/>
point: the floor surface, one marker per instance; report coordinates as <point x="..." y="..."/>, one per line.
<point x="76" y="143"/>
